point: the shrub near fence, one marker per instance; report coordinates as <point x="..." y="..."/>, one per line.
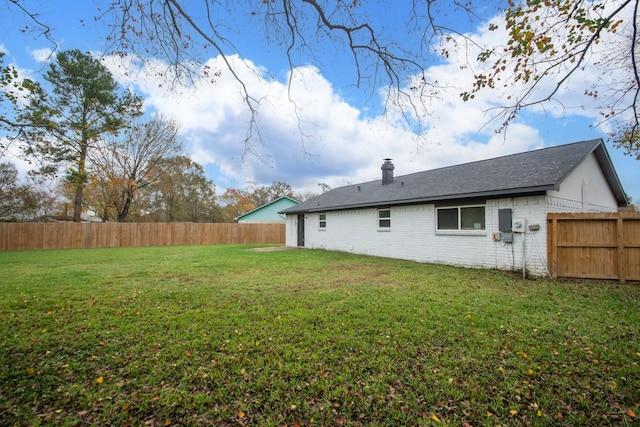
<point x="68" y="235"/>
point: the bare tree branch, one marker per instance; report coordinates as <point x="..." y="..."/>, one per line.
<point x="549" y="42"/>
<point x="40" y="27"/>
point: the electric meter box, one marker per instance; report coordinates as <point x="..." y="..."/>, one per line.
<point x="518" y="225"/>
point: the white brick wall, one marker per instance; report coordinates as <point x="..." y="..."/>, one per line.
<point x="413" y="236"/>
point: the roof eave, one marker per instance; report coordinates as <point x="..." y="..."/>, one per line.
<point x="602" y="155"/>
<point x="432" y="199"/>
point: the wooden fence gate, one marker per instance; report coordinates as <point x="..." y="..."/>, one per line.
<point x="594" y="245"/>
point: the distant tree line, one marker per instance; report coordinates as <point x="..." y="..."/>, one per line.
<point x="179" y="192"/>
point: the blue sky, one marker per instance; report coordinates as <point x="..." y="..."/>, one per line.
<point x="326" y="129"/>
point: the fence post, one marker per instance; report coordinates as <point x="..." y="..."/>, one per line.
<point x="620" y="241"/>
<point x="554" y="248"/>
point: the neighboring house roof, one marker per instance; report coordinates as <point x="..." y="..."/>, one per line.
<point x="268" y="211"/>
<point x="517" y="174"/>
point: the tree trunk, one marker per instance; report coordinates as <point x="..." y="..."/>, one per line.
<point x="77" y="204"/>
<point x="80" y="178"/>
<point x="124" y="211"/>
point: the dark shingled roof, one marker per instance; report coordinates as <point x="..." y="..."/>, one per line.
<point x="517" y="174"/>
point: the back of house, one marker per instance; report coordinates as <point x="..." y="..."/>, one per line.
<point x="486" y="214"/>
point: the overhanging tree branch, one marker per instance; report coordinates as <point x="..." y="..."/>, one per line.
<point x="549" y="43"/>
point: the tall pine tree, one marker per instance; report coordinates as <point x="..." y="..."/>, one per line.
<point x="71" y="119"/>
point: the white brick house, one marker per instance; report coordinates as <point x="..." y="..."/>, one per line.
<point x="463" y="215"/>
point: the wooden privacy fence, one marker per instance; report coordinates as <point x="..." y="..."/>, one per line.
<point x="594" y="245"/>
<point x="67" y="235"/>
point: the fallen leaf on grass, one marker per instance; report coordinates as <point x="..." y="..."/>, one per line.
<point x="99" y="380"/>
<point x="513" y="411"/>
<point x="435" y="418"/>
<point x="631" y="413"/>
<point x="241" y="415"/>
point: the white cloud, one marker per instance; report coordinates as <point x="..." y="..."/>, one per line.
<point x="309" y="134"/>
<point x="42" y="55"/>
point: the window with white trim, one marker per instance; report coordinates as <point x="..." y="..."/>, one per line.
<point x="322" y="221"/>
<point x="384" y="219"/>
<point x="466" y="218"/>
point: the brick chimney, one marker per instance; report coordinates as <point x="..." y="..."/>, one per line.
<point x="387" y="172"/>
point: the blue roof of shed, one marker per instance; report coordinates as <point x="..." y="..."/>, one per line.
<point x="271" y="209"/>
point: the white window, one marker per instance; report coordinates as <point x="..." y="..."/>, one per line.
<point x="384" y="219"/>
<point x="461" y="218"/>
<point x="322" y="221"/>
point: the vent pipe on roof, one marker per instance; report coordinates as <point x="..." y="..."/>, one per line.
<point x="387" y="172"/>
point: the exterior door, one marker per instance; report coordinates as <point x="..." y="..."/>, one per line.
<point x="301" y="230"/>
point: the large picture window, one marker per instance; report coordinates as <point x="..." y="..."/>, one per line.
<point x="384" y="219"/>
<point x="461" y="218"/>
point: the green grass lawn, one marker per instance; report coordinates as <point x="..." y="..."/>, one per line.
<point x="222" y="335"/>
